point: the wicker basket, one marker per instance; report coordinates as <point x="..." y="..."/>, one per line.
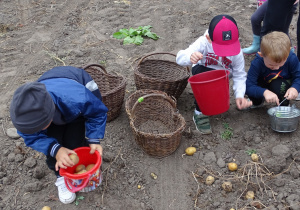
<point x="112" y="89"/>
<point x="161" y="75"/>
<point x="130" y="101"/>
<point x="156" y="125"/>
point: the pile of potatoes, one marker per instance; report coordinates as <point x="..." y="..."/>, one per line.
<point x="80" y="169"/>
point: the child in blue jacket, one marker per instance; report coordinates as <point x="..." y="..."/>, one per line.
<point x="59" y="112"/>
<point x="275" y="72"/>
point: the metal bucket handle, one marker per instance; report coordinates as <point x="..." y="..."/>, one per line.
<point x="224" y="67"/>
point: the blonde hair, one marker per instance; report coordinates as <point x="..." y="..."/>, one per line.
<point x="276" y="46"/>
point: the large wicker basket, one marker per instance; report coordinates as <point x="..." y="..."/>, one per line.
<point x="130" y="101"/>
<point x="156" y="125"/>
<point x="112" y="89"/>
<point x="164" y="75"/>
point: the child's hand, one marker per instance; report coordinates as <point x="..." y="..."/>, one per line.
<point x="62" y="158"/>
<point x="242" y="103"/>
<point x="95" y="147"/>
<point x="271" y="97"/>
<point x="291" y="93"/>
<point x="195" y="57"/>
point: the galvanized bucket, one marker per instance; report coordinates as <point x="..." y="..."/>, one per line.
<point x="284" y="118"/>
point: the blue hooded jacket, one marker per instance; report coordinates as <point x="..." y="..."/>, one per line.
<point x="74" y="94"/>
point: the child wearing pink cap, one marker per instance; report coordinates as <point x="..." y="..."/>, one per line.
<point x="218" y="48"/>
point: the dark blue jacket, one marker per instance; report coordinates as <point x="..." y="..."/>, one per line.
<point x="258" y="71"/>
<point x="75" y="94"/>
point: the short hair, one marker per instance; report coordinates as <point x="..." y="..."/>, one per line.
<point x="276" y="46"/>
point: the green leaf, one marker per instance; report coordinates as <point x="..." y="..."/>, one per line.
<point x="76" y="202"/>
<point x="138" y="40"/>
<point x="119" y="35"/>
<point x="80" y="197"/>
<point x="128" y="40"/>
<point x="132" y="32"/>
<point x="151" y="35"/>
<point x="124" y="31"/>
<point x="146" y="27"/>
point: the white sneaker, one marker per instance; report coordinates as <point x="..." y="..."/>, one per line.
<point x="65" y="196"/>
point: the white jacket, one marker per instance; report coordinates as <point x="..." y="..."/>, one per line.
<point x="235" y="64"/>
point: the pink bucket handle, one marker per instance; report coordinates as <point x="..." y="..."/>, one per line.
<point x="78" y="188"/>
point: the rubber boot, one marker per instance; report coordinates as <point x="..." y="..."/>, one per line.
<point x="254" y="47"/>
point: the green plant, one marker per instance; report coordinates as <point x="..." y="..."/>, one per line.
<point x="78" y="199"/>
<point x="251" y="151"/>
<point x="135" y="35"/>
<point x="227" y="134"/>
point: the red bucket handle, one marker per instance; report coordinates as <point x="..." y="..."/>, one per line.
<point x="79" y="187"/>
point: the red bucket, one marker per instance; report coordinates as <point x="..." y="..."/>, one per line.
<point x="87" y="181"/>
<point x="211" y="91"/>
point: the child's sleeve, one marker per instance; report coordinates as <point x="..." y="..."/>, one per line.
<point x="295" y="67"/>
<point x="252" y="88"/>
<point x="183" y="57"/>
<point x="239" y="75"/>
<point x="41" y="142"/>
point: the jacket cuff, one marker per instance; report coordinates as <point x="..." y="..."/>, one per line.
<point x="93" y="141"/>
<point x="54" y="149"/>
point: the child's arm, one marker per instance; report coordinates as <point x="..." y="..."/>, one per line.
<point x="294" y="66"/>
<point x="184" y="57"/>
<point x="252" y="89"/>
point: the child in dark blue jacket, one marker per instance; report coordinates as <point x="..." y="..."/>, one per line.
<point x="275" y="72"/>
<point x="59" y="112"/>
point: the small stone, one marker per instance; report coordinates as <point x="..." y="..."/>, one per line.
<point x="12" y="133"/>
<point x="19" y="158"/>
<point x="30" y="162"/>
<point x="33" y="187"/>
<point x="11" y="157"/>
<point x="221" y="163"/>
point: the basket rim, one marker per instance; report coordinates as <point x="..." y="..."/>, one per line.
<point x="164" y="135"/>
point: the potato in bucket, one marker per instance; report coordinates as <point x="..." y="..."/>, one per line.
<point x="85" y="181"/>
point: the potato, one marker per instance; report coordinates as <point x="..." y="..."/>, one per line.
<point x="254" y="157"/>
<point x="80" y="168"/>
<point x="190" y="150"/>
<point x="232" y="166"/>
<point x="249" y="195"/>
<point x="74" y="158"/>
<point x="81" y="172"/>
<point x="46" y="208"/>
<point x="89" y="167"/>
<point x="227" y="186"/>
<point x="209" y="180"/>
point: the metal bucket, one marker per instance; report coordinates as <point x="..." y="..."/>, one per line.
<point x="284" y="118"/>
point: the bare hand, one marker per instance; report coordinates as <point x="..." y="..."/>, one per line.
<point x="95" y="147"/>
<point x="195" y="57"/>
<point x="271" y="97"/>
<point x="62" y="158"/>
<point x="291" y="93"/>
<point x="242" y="103"/>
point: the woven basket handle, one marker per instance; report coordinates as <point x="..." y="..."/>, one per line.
<point x="97" y="65"/>
<point x="142" y="59"/>
<point x="141" y="99"/>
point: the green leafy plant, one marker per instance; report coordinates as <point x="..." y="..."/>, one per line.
<point x="79" y="198"/>
<point x="251" y="151"/>
<point x="135" y="35"/>
<point x="227" y="134"/>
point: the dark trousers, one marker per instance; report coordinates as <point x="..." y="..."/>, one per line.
<point x="258" y="16"/>
<point x="197" y="69"/>
<point x="71" y="136"/>
<point x="277" y="86"/>
<point x="278" y="16"/>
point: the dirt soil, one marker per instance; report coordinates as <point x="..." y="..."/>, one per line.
<point x="37" y="35"/>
